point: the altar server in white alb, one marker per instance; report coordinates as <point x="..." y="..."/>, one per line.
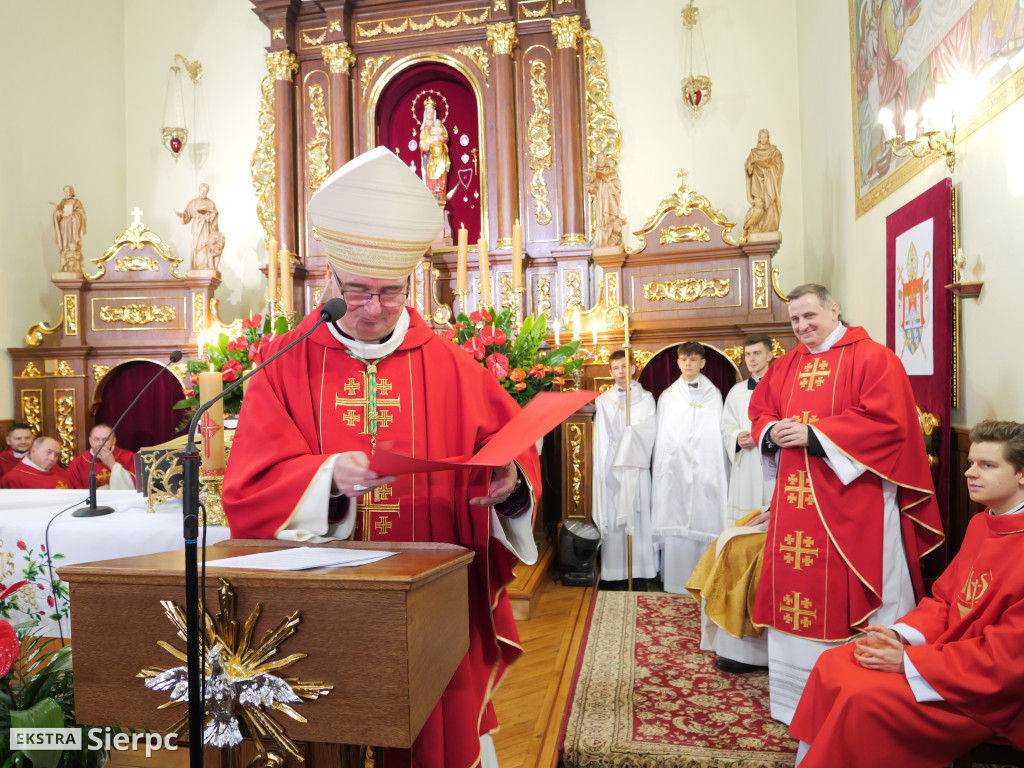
<point x="690" y="474"/>
<point x="749" y="491"/>
<point x="622" y="474"/>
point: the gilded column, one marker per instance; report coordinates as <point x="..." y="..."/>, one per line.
<point x="503" y="40"/>
<point x="567" y="32"/>
<point x="340" y="59"/>
<point x="282" y="65"/>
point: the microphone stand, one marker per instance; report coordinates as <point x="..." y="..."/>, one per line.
<point x="332" y="311"/>
<point x="92" y="510"/>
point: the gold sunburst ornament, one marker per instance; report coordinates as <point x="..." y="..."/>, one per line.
<point x="242" y="684"/>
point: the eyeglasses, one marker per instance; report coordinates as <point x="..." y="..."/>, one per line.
<point x="389" y="299"/>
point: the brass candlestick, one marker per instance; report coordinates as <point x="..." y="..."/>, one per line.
<point x="461" y="296"/>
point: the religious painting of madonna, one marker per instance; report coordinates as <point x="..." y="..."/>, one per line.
<point x="931" y="60"/>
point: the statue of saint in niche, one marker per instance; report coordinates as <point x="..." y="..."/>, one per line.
<point x="68" y="228"/>
<point x="434" y="151"/>
<point x="207" y="239"/>
<point x="604" y="184"/>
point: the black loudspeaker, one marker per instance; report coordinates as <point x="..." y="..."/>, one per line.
<point x="578" y="544"/>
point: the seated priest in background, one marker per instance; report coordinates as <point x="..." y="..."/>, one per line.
<point x="725" y="581"/>
<point x="689" y="475"/>
<point x="19" y="440"/>
<point x="115" y="467"/>
<point x="948" y="675"/>
<point x="622" y="475"/>
<point x="299" y="466"/>
<point x="39" y="470"/>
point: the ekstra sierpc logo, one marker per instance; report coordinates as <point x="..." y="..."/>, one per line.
<point x="34" y="739"/>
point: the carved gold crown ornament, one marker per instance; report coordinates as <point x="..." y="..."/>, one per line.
<point x="242" y="682"/>
<point x="696" y="87"/>
<point x="175" y="127"/>
<point x="683" y="202"/>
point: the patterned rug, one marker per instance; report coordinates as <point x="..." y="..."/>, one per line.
<point x="648" y="696"/>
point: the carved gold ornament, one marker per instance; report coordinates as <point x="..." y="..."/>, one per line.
<point x="573" y="295"/>
<point x="318" y="149"/>
<point x="339" y="57"/>
<point x="335" y="25"/>
<point x="99" y="371"/>
<point x="180" y="370"/>
<point x="198" y="313"/>
<point x="642" y="357"/>
<point x="685" y="234"/>
<point x="282" y="64"/>
<point x="734" y="353"/>
<point x="544" y="295"/>
<point x="34" y="335"/>
<point x="370" y="67"/>
<point x="777" y="349"/>
<point x="70" y="314"/>
<point x="137" y="314"/>
<point x="442" y="313"/>
<point x="576" y="456"/>
<point x="760" y="270"/>
<point x="499" y="5"/>
<point x="30" y="371"/>
<point x="567" y="31"/>
<point x="775" y="285"/>
<point x="539" y="13"/>
<point x="687" y="289"/>
<point x="603" y="356"/>
<point x="277" y="33"/>
<point x="538" y="134"/>
<point x="367" y="30"/>
<point x="136" y="264"/>
<point x="64" y="410"/>
<point x="682" y="203"/>
<point x="262" y="167"/>
<point x="64" y="369"/>
<point x="136" y="237"/>
<point x="508" y="297"/>
<point x="313" y="42"/>
<point x="478" y="56"/>
<point x="502" y="37"/>
<point x="32" y="409"/>
<point x="604" y="136"/>
<point x="242" y="681"/>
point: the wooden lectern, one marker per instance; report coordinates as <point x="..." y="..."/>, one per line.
<point x="388" y="636"/>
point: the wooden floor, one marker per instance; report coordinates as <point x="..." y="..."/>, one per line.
<point x="533" y="695"/>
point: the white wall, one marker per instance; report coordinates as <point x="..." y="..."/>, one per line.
<point x="752" y="62"/>
<point x="62" y="123"/>
<point x="849" y="253"/>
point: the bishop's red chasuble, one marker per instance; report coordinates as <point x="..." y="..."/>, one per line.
<point x="822" y="572"/>
<point x="428" y="398"/>
<point x="974" y="628"/>
<point x="8" y="461"/>
<point x="78" y="469"/>
<point x="24" y="476"/>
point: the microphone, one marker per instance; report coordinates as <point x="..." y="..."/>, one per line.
<point x="332" y="311"/>
<point x="92" y="510"/>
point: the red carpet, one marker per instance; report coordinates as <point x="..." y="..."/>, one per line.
<point x="647" y="696"/>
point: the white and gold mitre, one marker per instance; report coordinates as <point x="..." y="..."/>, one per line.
<point x="375" y="217"/>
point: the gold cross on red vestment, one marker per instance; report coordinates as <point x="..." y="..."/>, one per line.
<point x="798" y="490"/>
<point x="796" y="610"/>
<point x="352" y="416"/>
<point x="798" y="550"/>
<point x="814" y="374"/>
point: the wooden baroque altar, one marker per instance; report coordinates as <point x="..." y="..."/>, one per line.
<point x="136" y="304"/>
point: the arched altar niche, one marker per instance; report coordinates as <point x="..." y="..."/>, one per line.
<point x="399" y="116"/>
<point x="153" y="420"/>
<point x="662" y="370"/>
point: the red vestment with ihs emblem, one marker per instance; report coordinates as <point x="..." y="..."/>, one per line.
<point x="823" y="568"/>
<point x="433" y="400"/>
<point x="974" y="630"/>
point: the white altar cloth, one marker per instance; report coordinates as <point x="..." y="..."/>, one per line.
<point x="130" y="530"/>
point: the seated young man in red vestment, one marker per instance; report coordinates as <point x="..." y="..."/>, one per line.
<point x="38" y="470"/>
<point x="115" y="467"/>
<point x="299" y="466"/>
<point x="19" y="440"/>
<point x="948" y="675"/>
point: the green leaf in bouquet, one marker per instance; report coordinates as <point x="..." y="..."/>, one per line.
<point x="281" y="325"/>
<point x="43" y="714"/>
<point x="563" y="355"/>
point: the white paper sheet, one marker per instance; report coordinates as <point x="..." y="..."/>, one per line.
<point x="301" y="558"/>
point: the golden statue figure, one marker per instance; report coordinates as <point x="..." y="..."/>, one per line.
<point x="764" y="186"/>
<point x="68" y="228"/>
<point x="434" y="150"/>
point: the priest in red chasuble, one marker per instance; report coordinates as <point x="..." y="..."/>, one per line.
<point x="854" y="507"/>
<point x="299" y="466"/>
<point x="115" y="467"/>
<point x="19" y="440"/>
<point x="39" y="470"/>
<point x="948" y="675"/>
